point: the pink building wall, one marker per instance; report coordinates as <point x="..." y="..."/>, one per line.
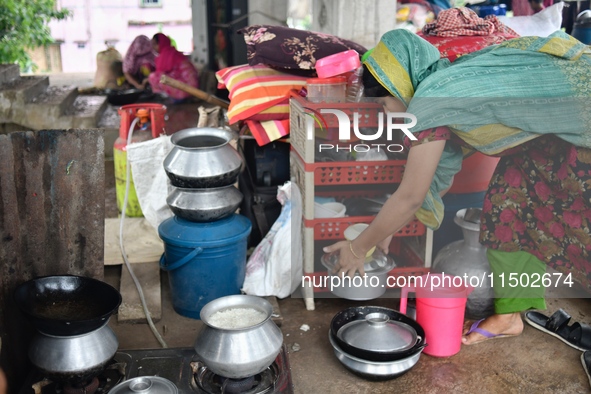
<point x="95" y="21"/>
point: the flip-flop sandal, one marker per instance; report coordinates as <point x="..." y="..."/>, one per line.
<point x="485" y="333"/>
<point x="577" y="335"/>
<point x="586" y="361"/>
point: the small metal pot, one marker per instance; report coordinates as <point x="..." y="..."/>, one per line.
<point x="202" y="158"/>
<point x="145" y="385"/>
<point x="373" y="369"/>
<point x="241" y="352"/>
<point x="204" y="205"/>
<point x="359" y="288"/>
<point x="73" y="359"/>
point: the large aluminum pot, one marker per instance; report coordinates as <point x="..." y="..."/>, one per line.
<point x="73" y="359"/>
<point x="204" y="205"/>
<point x="202" y="158"/>
<point x="374" y="370"/>
<point x="238" y="352"/>
<point x="359" y="288"/>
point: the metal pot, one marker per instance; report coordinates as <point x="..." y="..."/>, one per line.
<point x="202" y="158"/>
<point x="145" y="385"/>
<point x="375" y="333"/>
<point x="204" y="205"/>
<point x="373" y="369"/>
<point x="73" y="359"/>
<point x="241" y="352"/>
<point x="67" y="305"/>
<point x="359" y="288"/>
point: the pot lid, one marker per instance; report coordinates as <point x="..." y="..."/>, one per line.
<point x="377" y="264"/>
<point x="378" y="333"/>
<point x="181" y="232"/>
<point x="145" y="385"/>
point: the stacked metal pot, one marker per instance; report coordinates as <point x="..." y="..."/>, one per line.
<point x="205" y="243"/>
<point x="376" y="342"/>
<point x="73" y="343"/>
<point x="202" y="168"/>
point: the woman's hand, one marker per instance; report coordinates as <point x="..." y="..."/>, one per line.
<point x="349" y="261"/>
<point x="144" y="83"/>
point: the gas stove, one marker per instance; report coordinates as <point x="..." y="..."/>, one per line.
<point x="179" y="365"/>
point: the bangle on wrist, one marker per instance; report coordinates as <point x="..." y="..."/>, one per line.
<point x="352" y="251"/>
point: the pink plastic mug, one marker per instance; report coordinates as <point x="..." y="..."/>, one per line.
<point x="440" y="304"/>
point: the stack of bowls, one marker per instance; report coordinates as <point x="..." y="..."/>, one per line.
<point x="202" y="168"/>
<point x="376" y="342"/>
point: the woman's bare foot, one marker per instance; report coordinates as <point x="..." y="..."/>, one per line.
<point x="509" y="324"/>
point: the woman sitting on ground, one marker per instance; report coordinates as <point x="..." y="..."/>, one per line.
<point x="537" y="210"/>
<point x="173" y="64"/>
<point x="139" y="62"/>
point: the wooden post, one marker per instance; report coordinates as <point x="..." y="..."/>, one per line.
<point x="52" y="208"/>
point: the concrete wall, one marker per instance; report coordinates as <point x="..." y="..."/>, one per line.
<point x="361" y="21"/>
<point x="120" y="21"/>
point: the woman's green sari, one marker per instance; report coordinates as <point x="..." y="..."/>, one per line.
<point x="493" y="99"/>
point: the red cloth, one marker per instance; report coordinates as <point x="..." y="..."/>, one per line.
<point x="454" y="47"/>
<point x="168" y="56"/>
<point x="465" y="22"/>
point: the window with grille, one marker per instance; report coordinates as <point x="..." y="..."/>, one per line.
<point x="150" y="3"/>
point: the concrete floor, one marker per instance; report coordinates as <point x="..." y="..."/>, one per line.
<point x="532" y="362"/>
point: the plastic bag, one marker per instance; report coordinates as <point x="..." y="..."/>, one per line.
<point x="149" y="177"/>
<point x="275" y="266"/>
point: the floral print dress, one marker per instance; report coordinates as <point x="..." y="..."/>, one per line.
<point x="538" y="201"/>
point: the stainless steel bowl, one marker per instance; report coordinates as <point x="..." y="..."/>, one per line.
<point x="204" y="205"/>
<point x="240" y="352"/>
<point x="202" y="158"/>
<point x="358" y="288"/>
<point x="374" y="370"/>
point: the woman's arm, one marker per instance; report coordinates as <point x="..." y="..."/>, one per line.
<point x="398" y="210"/>
<point x="133" y="81"/>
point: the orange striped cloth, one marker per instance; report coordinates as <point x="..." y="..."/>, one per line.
<point x="258" y="92"/>
<point x="268" y="130"/>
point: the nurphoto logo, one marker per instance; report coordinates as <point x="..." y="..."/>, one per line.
<point x="395" y="121"/>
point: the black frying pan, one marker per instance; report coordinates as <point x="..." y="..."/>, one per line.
<point x="67" y="305"/>
<point x="358" y="313"/>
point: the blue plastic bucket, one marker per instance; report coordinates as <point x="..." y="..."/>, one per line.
<point x="204" y="261"/>
<point x="449" y="231"/>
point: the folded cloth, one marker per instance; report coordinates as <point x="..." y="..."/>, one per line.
<point x="268" y="130"/>
<point x="465" y="22"/>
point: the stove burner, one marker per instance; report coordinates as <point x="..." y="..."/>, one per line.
<point x="88" y="387"/>
<point x="210" y="383"/>
<point x="237" y="386"/>
<point x="113" y="374"/>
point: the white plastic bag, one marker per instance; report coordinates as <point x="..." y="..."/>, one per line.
<point x="275" y="266"/>
<point x="541" y="24"/>
<point x="150" y="179"/>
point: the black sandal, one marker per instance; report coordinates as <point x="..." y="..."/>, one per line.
<point x="577" y="335"/>
<point x="586" y="361"/>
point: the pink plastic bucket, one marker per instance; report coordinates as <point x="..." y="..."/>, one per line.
<point x="440" y="305"/>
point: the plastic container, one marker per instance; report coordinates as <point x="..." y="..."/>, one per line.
<point x="355" y="86"/>
<point x="582" y="27"/>
<point x="475" y="175"/>
<point x="204" y="261"/>
<point x="337" y="64"/>
<point x="440" y="303"/>
<point x="327" y="90"/>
